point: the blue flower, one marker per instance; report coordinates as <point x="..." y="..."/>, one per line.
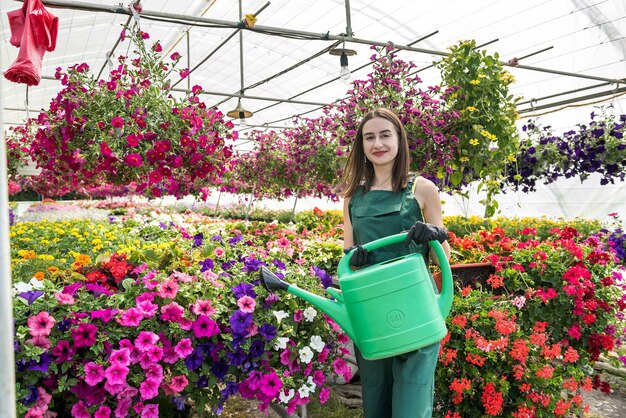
<point x="240" y="322"/>
<point x="267" y="331"/>
<point x="179" y="402"/>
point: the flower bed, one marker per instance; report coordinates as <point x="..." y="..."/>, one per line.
<point x="167" y="308"/>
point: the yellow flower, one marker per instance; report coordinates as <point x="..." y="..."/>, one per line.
<point x="470" y="108"/>
<point x="463" y="159"/>
<point x="474" y="82"/>
<point x="481" y="76"/>
<point x="474" y="141"/>
<point x="511" y="158"/>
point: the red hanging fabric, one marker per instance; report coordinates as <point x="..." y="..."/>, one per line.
<point x="33" y="31"/>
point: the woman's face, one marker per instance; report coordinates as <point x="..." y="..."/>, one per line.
<point x="380" y="141"/>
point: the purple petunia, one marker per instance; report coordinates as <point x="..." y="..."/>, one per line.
<point x="321" y="274"/>
<point x="207" y="264"/>
<point x="198" y="240"/>
<point x="267" y="331"/>
<point x="244" y="289"/>
<point x="240" y="322"/>
<point x="31" y="295"/>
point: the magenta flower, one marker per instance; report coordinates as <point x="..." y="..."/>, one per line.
<point x="102" y="412"/>
<point x="123" y="407"/>
<point x="105" y="315"/>
<point x="84" y="335"/>
<point x="146" y="340"/>
<point x="116" y="374"/>
<point x="149" y="389"/>
<point x="63" y="351"/>
<point x="150" y="411"/>
<point x="168" y="289"/>
<point x="132" y="140"/>
<point x="79" y="410"/>
<point x="183" y="348"/>
<point x="64" y="298"/>
<point x="271" y="384"/>
<point x="204" y="327"/>
<point x="117" y="122"/>
<point x="324" y="395"/>
<point x="40" y="324"/>
<point x="154" y="354"/>
<point x="133" y="160"/>
<point x="154" y="372"/>
<point x="121" y="356"/>
<point x="94" y="373"/>
<point x="172" y="312"/>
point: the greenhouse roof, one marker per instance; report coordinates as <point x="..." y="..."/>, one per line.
<point x="570" y="53"/>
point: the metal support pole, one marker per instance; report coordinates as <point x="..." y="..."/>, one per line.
<point x="217" y="205"/>
<point x="293" y="211"/>
<point x="7" y="357"/>
<point x="188" y="62"/>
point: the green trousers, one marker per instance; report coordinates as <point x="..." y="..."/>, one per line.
<point x="400" y="386"/>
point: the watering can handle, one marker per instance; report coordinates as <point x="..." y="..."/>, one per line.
<point x="445" y="298"/>
<point x="344" y="263"/>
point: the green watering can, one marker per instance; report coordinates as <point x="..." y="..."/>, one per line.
<point x="388" y="308"/>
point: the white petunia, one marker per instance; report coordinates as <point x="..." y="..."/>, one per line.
<point x="309" y="313"/>
<point x="317" y="344"/>
<point x="281" y="343"/>
<point x="36" y="284"/>
<point x="306" y="355"/>
<point x="311" y="383"/>
<point x="286" y="398"/>
<point x="22" y="287"/>
<point x="304" y="391"/>
<point x="280" y="315"/>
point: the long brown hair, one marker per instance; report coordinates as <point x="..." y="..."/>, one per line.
<point x="358" y="171"/>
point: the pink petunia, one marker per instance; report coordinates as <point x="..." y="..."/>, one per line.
<point x="202" y="307"/>
<point x="117" y="122"/>
<point x="149" y="389"/>
<point x="116" y="374"/>
<point x="130" y="317"/>
<point x="94" y="373"/>
<point x="102" y="412"/>
<point x="154" y="354"/>
<point x="121" y="356"/>
<point x="146" y="340"/>
<point x="183" y="348"/>
<point x="168" y="289"/>
<point x="154" y="372"/>
<point x="172" y="312"/>
<point x="204" y="327"/>
<point x="64" y="298"/>
<point x="246" y="304"/>
<point x="40" y="324"/>
<point x="324" y="395"/>
<point x="133" y="160"/>
<point x="40" y="341"/>
<point x="123" y="407"/>
<point x="79" y="410"/>
<point x="271" y="384"/>
<point x="150" y="411"/>
<point x="84" y="335"/>
<point x="179" y="383"/>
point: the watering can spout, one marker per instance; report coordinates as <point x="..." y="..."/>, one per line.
<point x="336" y="310"/>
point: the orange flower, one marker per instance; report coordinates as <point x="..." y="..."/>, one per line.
<point x="53" y="269"/>
<point x="39" y="275"/>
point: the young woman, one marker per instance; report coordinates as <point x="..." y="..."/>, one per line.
<point x="382" y="198"/>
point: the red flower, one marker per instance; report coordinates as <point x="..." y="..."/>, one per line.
<point x="133" y="160"/>
<point x="492" y="400"/>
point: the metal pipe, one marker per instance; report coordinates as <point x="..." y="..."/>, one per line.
<point x="7" y="356"/>
<point x="269" y="30"/>
<point x="348" y="19"/>
<point x="574" y="100"/>
<point x="564" y="93"/>
<point x="188" y="62"/>
<point x="228" y="38"/>
<point x="240" y="50"/>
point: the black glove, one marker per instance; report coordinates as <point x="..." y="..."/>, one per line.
<point x="359" y="257"/>
<point x="421" y="233"/>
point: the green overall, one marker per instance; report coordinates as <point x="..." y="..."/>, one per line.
<point x="401" y="386"/>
